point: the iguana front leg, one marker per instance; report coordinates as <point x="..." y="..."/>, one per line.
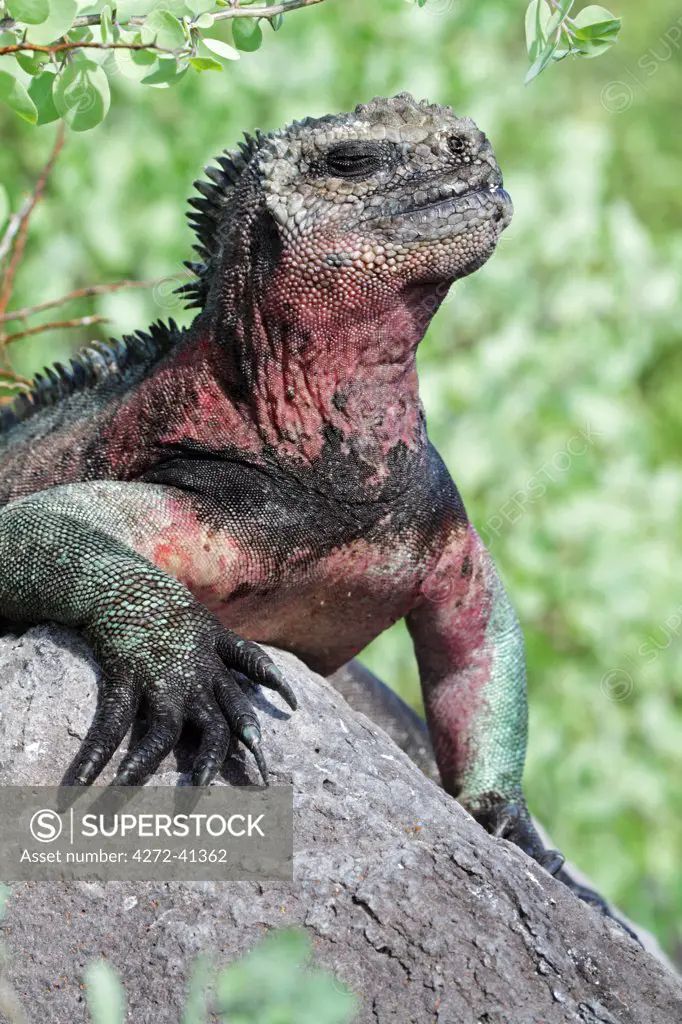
<point x="470" y="653"/>
<point x="74" y="555"/>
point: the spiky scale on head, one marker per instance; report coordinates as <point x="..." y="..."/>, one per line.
<point x="207" y="213"/>
<point x="393" y="182"/>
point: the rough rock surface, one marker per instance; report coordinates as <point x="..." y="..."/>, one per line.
<point x="405" y="897"/>
<point x="367" y="694"/>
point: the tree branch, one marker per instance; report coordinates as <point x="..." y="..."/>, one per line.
<point x="12" y="228"/>
<point x="85" y="20"/>
<point x="264" y="12"/>
<point x="78" y="293"/>
<point x="53" y="325"/>
<point x="65" y="47"/>
<point x="9" y="379"/>
<point x="14" y="238"/>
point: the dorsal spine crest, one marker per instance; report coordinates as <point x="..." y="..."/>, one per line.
<point x="95" y="362"/>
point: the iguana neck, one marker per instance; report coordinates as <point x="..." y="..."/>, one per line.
<point x="324" y="394"/>
<point x="307" y="369"/>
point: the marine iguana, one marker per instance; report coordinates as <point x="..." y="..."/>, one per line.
<point x="266" y="476"/>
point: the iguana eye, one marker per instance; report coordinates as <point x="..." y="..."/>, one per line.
<point x="355" y="160"/>
<point x="458" y="144"/>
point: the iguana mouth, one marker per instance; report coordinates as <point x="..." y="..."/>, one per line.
<point x="476" y="197"/>
<point x="443" y="202"/>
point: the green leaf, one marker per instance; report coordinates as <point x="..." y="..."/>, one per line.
<point x="4" y="205"/>
<point x="595" y="22"/>
<point x="198" y="7"/>
<point x="106" y="30"/>
<point x="180" y="8"/>
<point x="30" y="12"/>
<point x="593" y="47"/>
<point x="81" y="95"/>
<point x="183" y="68"/>
<point x="595" y="31"/>
<point x="195" y="1011"/>
<point x="247" y="34"/>
<point x="135" y="64"/>
<point x="538" y="16"/>
<point x="40" y="91"/>
<point x="82" y="34"/>
<point x="60" y="20"/>
<point x="14" y="95"/>
<point x="541" y="62"/>
<point x="277" y="20"/>
<point x="126" y="8"/>
<point x="273" y="983"/>
<point x="205" y="64"/>
<point x="221" y="49"/>
<point x="204" y="21"/>
<point x="31" y="62"/>
<point x="167" y="72"/>
<point x="600" y="30"/>
<point x="593" y="15"/>
<point x="168" y="32"/>
<point x="106" y="998"/>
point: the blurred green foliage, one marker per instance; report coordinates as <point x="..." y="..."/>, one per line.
<point x="273" y="984"/>
<point x="62" y="53"/>
<point x="551" y="378"/>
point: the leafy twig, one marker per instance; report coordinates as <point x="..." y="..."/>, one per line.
<point x="260" y="11"/>
<point x="86" y="20"/>
<point x="552" y="34"/>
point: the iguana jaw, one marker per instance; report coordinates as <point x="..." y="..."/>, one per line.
<point x="491" y="201"/>
<point x="448" y="236"/>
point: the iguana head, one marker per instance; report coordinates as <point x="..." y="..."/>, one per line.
<point x="326" y="249"/>
<point x="395" y="194"/>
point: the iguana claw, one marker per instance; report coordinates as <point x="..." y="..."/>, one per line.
<point x="512" y="821"/>
<point x="203" y="691"/>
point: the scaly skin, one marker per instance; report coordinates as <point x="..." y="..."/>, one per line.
<point x="266" y="476"/>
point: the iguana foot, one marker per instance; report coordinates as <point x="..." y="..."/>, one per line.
<point x="198" y="686"/>
<point x="512" y="821"/>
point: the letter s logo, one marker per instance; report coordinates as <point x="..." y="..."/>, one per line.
<point x="46" y="826"/>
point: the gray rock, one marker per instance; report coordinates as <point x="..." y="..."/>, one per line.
<point x="406" y="899"/>
<point x="367" y="694"/>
